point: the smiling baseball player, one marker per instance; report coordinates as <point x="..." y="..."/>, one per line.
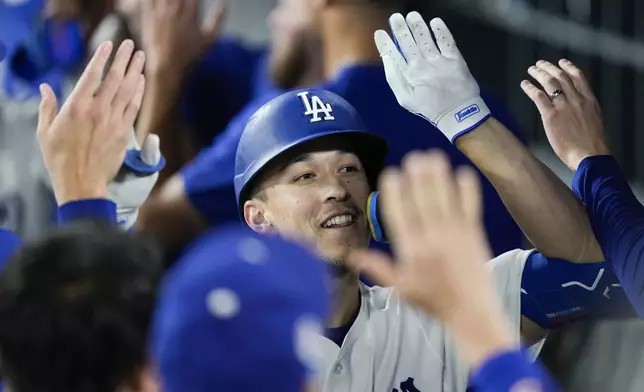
<point x="305" y="167"/>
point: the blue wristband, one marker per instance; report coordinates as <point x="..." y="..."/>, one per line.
<point x="96" y="209"/>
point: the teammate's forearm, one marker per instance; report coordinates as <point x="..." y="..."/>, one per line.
<point x="617" y="218"/>
<point x="543" y="206"/>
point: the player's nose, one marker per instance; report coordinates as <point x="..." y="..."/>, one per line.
<point x="335" y="189"/>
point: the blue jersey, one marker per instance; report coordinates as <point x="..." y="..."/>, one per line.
<point x="209" y="179"/>
<point x="617" y="218"/>
<point x="227" y="78"/>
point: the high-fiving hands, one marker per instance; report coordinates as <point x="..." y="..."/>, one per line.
<point x="434" y="223"/>
<point x="172" y="35"/>
<point x="134" y="182"/>
<point x="90" y="147"/>
<point x="569" y="110"/>
<point x="431" y="79"/>
<point x="84" y="144"/>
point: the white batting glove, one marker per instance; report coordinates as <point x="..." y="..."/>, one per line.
<point x="135" y="181"/>
<point x="431" y="79"/>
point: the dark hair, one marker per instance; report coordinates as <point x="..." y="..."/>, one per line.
<point x="75" y="309"/>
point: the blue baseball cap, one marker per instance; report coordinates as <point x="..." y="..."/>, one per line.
<point x="240" y="312"/>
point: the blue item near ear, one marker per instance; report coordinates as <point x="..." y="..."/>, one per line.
<point x="135" y="164"/>
<point x="373" y="215"/>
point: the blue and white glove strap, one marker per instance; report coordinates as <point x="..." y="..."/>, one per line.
<point x="463" y="118"/>
<point x="135" y="164"/>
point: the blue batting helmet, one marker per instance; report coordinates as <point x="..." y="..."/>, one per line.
<point x="294" y="119"/>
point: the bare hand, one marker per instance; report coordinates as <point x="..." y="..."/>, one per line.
<point x="172" y="36"/>
<point x="83" y="145"/>
<point x="572" y="120"/>
<point x="434" y="223"/>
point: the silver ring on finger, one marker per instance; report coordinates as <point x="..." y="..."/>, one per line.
<point x="556" y="93"/>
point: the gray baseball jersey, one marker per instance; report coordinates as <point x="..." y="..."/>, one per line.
<point x="393" y="347"/>
<point x="26" y="205"/>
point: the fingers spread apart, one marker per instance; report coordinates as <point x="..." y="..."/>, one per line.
<point x="431" y="186"/>
<point x="561" y="77"/>
<point x="540" y="98"/>
<point x="578" y="79"/>
<point x="115" y="75"/>
<point x="444" y="39"/>
<point x="470" y="195"/>
<point x="130" y="84"/>
<point x="90" y="80"/>
<point x="403" y="38"/>
<point x="387" y="48"/>
<point x="47" y="109"/>
<point x="422" y="35"/>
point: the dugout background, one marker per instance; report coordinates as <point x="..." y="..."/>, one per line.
<point x="606" y="40"/>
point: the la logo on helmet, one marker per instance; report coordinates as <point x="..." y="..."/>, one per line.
<point x="314" y="107"/>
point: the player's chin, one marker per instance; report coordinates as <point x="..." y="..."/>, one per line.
<point x="337" y="244"/>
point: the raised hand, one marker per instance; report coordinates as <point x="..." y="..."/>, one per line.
<point x="84" y="144"/>
<point x="431" y="79"/>
<point x="433" y="220"/>
<point x="569" y="110"/>
<point x="172" y="36"/>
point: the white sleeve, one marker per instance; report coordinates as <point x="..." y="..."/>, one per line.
<point x="507" y="270"/>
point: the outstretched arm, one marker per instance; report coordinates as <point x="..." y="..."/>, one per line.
<point x="543" y="206"/>
<point x="574" y="127"/>
<point x="617" y="218"/>
<point x="434" y="221"/>
<point x="432" y="80"/>
<point x="85" y="143"/>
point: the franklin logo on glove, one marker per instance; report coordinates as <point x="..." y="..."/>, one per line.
<point x="467" y="112"/>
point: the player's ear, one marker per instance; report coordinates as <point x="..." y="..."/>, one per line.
<point x="256" y="218"/>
